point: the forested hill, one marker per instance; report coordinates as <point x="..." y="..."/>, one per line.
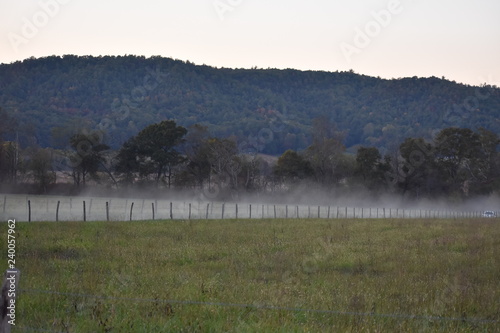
<point x="53" y="97"/>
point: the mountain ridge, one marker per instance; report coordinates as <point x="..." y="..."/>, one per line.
<point x="53" y="97"/>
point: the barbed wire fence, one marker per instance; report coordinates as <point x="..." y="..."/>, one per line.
<point x="47" y="208"/>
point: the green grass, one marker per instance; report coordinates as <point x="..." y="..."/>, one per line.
<point x="359" y="270"/>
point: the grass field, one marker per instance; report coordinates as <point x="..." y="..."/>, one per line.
<point x="259" y="276"/>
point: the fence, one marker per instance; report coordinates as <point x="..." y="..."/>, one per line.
<point x="52" y="208"/>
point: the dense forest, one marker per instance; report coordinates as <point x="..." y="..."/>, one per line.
<point x="264" y="110"/>
<point x="130" y="123"/>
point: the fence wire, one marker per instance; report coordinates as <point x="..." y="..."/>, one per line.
<point x="52" y="208"/>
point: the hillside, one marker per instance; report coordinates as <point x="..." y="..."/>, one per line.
<point x="53" y="97"/>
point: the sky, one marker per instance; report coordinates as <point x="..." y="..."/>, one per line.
<point x="455" y="39"/>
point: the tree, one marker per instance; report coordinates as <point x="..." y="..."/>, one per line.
<point x="88" y="156"/>
<point x="367" y="160"/>
<point x="417" y="170"/>
<point x="292" y="167"/>
<point x="370" y="167"/>
<point x="224" y="161"/>
<point x="458" y="155"/>
<point x="153" y="151"/>
<point x="9" y="151"/>
<point x="41" y="168"/>
<point x="251" y="166"/>
<point x="9" y="162"/>
<point x="489" y="162"/>
<point x="196" y="149"/>
<point x="325" y="153"/>
<point x="7" y="124"/>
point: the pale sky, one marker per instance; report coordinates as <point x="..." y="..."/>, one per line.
<point x="457" y="39"/>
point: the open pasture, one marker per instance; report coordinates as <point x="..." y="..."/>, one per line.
<point x="261" y="275"/>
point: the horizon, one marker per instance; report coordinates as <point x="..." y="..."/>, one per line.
<point x="390" y="39"/>
<point x="494" y="84"/>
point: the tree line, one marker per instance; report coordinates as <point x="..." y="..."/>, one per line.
<point x="457" y="163"/>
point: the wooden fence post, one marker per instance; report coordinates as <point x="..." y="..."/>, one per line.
<point x="274" y="211"/>
<point x="8" y="299"/>
<point x="29" y="210"/>
<point x="84" y="212"/>
<point x="286" y="211"/>
<point x="236" y="211"/>
<point x="250" y="211"/>
<point x="107" y="211"/>
<point x="222" y="212"/>
<point x="206" y="216"/>
<point x="171" y="213"/>
<point x="4" y="202"/>
<point x="57" y="211"/>
<point x="131" y="209"/>
<point x="153" y="209"/>
<point x="189" y="218"/>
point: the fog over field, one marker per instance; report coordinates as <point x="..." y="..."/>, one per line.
<point x="308" y="194"/>
<point x="302" y="202"/>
